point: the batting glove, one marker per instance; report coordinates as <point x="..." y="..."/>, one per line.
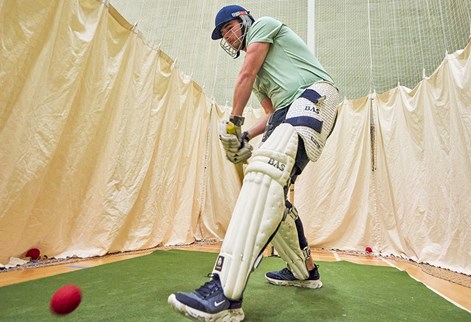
<point x="233" y="141"/>
<point x="244" y="151"/>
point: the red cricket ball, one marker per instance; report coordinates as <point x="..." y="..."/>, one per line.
<point x="34" y="253"/>
<point x="368" y="250"/>
<point x="66" y="299"/>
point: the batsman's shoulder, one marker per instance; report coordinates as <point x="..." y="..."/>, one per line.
<point x="267" y="21"/>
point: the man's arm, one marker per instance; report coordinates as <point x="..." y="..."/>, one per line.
<point x="254" y="58"/>
<point x="259" y="127"/>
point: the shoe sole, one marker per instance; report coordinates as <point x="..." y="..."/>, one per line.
<point x="305" y="283"/>
<point x="234" y="315"/>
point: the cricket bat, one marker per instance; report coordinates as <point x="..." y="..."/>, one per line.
<point x="230" y="129"/>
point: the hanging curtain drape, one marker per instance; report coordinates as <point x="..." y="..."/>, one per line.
<point x="106" y="146"/>
<point x="396" y="173"/>
<point x="102" y="139"/>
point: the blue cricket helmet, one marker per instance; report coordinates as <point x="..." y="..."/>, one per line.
<point x="225" y="15"/>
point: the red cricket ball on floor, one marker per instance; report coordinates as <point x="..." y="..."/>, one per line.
<point x="66" y="299"/>
<point x="33" y="253"/>
<point x="368" y="250"/>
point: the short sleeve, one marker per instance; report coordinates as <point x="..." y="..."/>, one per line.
<point x="264" y="29"/>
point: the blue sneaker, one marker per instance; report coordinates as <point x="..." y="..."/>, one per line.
<point x="286" y="278"/>
<point x="208" y="303"/>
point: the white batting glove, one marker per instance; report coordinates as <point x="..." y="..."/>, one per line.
<point x="230" y="141"/>
<point x="235" y="144"/>
<point x="243" y="153"/>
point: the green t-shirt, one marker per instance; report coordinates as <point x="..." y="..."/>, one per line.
<point x="289" y="68"/>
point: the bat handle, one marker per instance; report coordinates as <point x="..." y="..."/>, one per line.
<point x="230" y="128"/>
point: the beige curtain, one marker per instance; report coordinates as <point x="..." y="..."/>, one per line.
<point x="105" y="146"/>
<point x="412" y="196"/>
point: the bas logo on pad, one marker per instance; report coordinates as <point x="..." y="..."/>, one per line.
<point x="277" y="164"/>
<point x="219" y="263"/>
<point x="313" y="108"/>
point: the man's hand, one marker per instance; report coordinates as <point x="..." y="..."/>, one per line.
<point x="235" y="143"/>
<point x="243" y="153"/>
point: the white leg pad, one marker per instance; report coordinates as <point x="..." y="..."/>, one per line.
<point x="314" y="122"/>
<point x="258" y="210"/>
<point x="286" y="243"/>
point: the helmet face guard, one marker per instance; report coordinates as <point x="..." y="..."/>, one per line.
<point x="245" y="23"/>
<point x="225" y="15"/>
<point x="233" y="52"/>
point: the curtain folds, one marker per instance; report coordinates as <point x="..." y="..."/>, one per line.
<point x="102" y="139"/>
<point x="105" y="146"/>
<point x="404" y="187"/>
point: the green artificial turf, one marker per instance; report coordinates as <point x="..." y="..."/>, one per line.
<point x="137" y="290"/>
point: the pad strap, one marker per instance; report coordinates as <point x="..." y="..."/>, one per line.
<point x="313" y="96"/>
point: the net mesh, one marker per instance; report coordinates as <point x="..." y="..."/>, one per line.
<point x="366" y="45"/>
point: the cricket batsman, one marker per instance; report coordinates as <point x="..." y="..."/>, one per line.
<point x="300" y="101"/>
